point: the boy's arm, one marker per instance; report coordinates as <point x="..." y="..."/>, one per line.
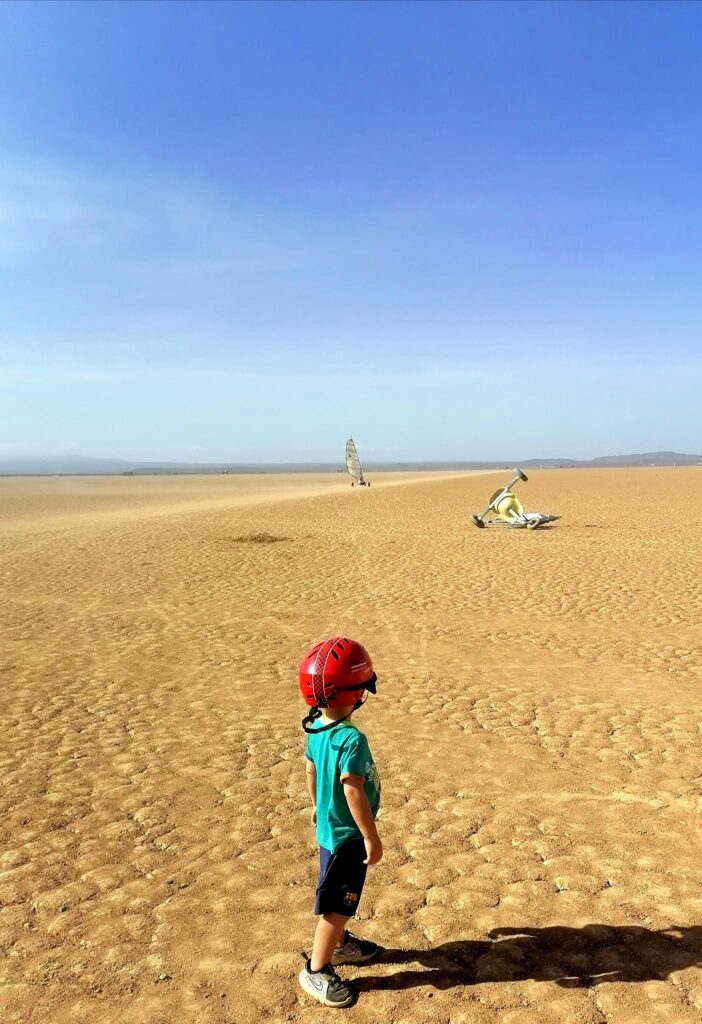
<point x="311" y="773"/>
<point x="361" y="813"/>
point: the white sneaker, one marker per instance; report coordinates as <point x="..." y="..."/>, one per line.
<point x="326" y="986"/>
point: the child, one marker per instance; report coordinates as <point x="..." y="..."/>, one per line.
<point x="343" y="783"/>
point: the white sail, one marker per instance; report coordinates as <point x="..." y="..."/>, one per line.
<point x="353" y="463"/>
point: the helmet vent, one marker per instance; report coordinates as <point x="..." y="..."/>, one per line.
<point x="334" y="655"/>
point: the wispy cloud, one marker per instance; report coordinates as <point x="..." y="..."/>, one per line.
<point x="149" y="221"/>
<point x="47" y="206"/>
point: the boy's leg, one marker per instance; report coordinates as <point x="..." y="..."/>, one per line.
<point x="328" y="935"/>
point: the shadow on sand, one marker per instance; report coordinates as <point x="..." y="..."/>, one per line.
<point x="570" y="957"/>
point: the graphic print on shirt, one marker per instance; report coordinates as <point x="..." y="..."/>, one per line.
<point x="372" y="777"/>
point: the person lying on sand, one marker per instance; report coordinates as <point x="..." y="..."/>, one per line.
<point x="344" y="786"/>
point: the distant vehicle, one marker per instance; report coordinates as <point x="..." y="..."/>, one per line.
<point x="508" y="510"/>
<point x="353" y="465"/>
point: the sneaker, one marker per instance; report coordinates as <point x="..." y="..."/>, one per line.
<point x="326" y="986"/>
<point x="354" y="951"/>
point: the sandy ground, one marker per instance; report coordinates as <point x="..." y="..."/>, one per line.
<point x="537" y="729"/>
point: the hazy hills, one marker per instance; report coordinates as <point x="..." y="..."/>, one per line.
<point x="642" y="459"/>
<point x="82" y="465"/>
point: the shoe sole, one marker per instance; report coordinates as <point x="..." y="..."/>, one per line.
<point x="312" y="991"/>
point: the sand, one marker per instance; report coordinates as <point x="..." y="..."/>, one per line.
<point x="537" y="730"/>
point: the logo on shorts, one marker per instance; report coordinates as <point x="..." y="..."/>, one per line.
<point x="350" y="898"/>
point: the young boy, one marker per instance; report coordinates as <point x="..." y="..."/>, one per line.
<point x="343" y="782"/>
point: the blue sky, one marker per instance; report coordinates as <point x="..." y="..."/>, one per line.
<point x="247" y="231"/>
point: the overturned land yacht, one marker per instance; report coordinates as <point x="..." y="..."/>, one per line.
<point x="508" y="510"/>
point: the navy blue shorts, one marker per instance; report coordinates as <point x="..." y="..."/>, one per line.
<point x="341" y="878"/>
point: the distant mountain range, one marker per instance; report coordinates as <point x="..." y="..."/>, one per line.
<point x="643" y="459"/>
<point x="81" y="465"/>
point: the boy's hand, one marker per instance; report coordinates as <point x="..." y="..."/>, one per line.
<point x="313" y="816"/>
<point x="374" y="850"/>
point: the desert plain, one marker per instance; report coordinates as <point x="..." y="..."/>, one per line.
<point x="536" y="728"/>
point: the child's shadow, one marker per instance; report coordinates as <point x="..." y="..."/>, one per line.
<point x="570" y="957"/>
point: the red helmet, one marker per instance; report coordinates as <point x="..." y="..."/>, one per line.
<point x="335" y="674"/>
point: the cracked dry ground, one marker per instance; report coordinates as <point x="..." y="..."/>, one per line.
<point x="537" y="729"/>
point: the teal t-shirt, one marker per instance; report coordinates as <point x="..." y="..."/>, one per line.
<point x="336" y="752"/>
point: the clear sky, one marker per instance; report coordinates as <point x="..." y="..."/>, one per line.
<point x="246" y="231"/>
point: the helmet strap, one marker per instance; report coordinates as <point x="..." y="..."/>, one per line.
<point x="316" y="713"/>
